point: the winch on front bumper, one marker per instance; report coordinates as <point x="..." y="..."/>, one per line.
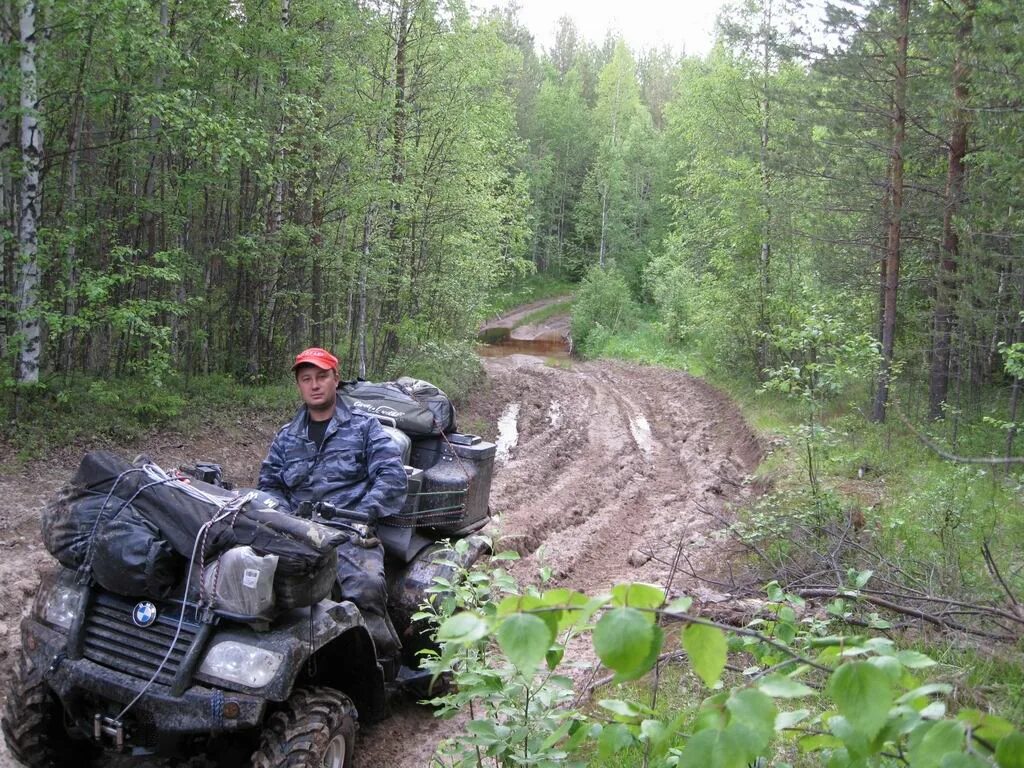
<point x="94" y="695"/>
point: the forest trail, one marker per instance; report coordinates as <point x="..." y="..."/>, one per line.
<point x="614" y="468"/>
<point x="513" y="320"/>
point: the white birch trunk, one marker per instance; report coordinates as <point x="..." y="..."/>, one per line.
<point x="31" y="199"/>
<point x="7" y="218"/>
<point x="764" y="263"/>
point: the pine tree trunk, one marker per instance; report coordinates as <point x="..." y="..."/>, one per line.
<point x="1016" y="337"/>
<point x="944" y="316"/>
<point x="67" y="343"/>
<point x="319" y="316"/>
<point x="892" y="256"/>
<point x="398" y="119"/>
<point x="606" y="187"/>
<point x="360" y="330"/>
<point x="276" y="221"/>
<point x="31" y="199"/>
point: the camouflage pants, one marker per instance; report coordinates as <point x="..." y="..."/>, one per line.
<point x="361" y="580"/>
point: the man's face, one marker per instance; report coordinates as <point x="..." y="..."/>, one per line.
<point x="317" y="387"/>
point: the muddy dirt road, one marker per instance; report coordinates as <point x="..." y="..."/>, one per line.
<point x="604" y="469"/>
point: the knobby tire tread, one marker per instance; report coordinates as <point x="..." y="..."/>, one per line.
<point x="32" y="722"/>
<point x="295" y="735"/>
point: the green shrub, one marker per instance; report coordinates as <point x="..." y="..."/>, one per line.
<point x="842" y="699"/>
<point x="603" y="302"/>
<point x="58" y="412"/>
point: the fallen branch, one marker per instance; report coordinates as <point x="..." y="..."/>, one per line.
<point x="989" y="460"/>
<point x="994" y="570"/>
<point x="907" y="611"/>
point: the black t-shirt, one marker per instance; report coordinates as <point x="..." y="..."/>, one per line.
<point x="316" y="431"/>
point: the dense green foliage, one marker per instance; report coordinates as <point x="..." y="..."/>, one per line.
<point x="806" y="688"/>
<point x="226" y="182"/>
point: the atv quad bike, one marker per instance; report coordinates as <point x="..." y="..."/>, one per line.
<point x="103" y="672"/>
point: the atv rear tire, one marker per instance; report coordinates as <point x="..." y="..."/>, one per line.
<point x="316" y="728"/>
<point x="33" y="722"/>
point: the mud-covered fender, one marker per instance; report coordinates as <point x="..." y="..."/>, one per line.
<point x="408" y="584"/>
<point x="328" y="641"/>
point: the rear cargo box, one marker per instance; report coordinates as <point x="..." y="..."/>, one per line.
<point x="457" y="472"/>
<point x="399" y="534"/>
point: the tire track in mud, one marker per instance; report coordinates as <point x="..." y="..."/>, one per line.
<point x="615" y="498"/>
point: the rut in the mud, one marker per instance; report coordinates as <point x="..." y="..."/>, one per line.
<point x="613" y="472"/>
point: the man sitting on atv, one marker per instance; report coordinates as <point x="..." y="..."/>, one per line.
<point x="328" y="453"/>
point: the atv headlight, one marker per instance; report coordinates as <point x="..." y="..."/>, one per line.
<point x="240" y="663"/>
<point x="59" y="600"/>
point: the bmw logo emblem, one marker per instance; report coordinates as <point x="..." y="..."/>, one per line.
<point x="144" y="614"/>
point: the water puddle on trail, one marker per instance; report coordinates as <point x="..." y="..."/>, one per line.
<point x="555" y="414"/>
<point x="641" y="431"/>
<point x="508" y="433"/>
<point x="498" y="342"/>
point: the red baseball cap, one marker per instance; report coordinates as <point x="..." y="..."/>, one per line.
<point x="321" y="358"/>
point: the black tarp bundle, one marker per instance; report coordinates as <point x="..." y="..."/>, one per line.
<point x="150" y="514"/>
<point x="417" y="407"/>
<point x="131" y="557"/>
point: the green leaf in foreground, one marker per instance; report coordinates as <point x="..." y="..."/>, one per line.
<point x="707" y="649"/>
<point x="863" y="694"/>
<point x="755" y="712"/>
<point x="1010" y="751"/>
<point x="914" y="660"/>
<point x="940" y="739"/>
<point x="628" y="710"/>
<point x="624" y="639"/>
<point x="639" y="595"/>
<point x="614" y="738"/>
<point x="781" y="687"/>
<point x="715" y="749"/>
<point x="462" y="629"/>
<point x="525" y="639"/>
<point x="786" y="720"/>
<point x="964" y="761"/>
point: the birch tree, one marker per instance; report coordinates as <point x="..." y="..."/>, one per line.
<point x="29" y="332"/>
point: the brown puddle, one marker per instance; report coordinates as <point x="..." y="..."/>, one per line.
<point x="497" y="342"/>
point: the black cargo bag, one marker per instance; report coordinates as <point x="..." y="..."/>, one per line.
<point x="131" y="558"/>
<point x="418" y="408"/>
<point x="70" y="521"/>
<point x="306" y="550"/>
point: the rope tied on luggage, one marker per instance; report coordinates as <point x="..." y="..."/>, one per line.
<point x="226" y="508"/>
<point x="85" y="570"/>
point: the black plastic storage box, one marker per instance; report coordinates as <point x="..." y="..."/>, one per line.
<point x="401" y="538"/>
<point x="457" y="471"/>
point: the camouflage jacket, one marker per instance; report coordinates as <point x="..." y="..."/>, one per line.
<point x="358" y="467"/>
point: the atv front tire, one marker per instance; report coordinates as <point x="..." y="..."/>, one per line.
<point x="33" y="722"/>
<point x="316" y="728"/>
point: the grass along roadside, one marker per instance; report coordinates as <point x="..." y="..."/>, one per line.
<point x="93" y="412"/>
<point x="90" y="412"/>
<point x="546" y="313"/>
<point x="533" y="288"/>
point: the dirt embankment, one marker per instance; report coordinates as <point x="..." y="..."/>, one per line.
<point x="615" y="468"/>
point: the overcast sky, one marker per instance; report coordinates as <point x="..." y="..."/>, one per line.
<point x="685" y="25"/>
